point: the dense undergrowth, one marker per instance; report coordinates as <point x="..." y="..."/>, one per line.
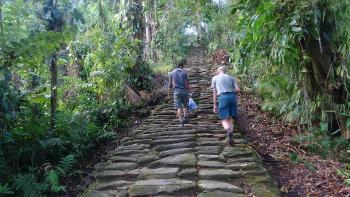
<point x="64" y="69"/>
<point x="66" y="66"/>
<point x="295" y="55"/>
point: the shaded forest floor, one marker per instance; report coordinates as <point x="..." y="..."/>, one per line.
<point x="82" y="176"/>
<point x="272" y="138"/>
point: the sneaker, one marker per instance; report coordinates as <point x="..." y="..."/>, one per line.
<point x="230" y="139"/>
<point x="182" y="124"/>
<point x="186" y="120"/>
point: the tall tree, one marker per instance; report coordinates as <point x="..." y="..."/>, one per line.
<point x="54" y="23"/>
<point x="137" y="22"/>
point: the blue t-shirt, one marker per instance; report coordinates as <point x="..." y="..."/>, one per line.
<point x="178" y="79"/>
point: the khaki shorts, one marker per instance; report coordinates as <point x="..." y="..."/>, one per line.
<point x="180" y="98"/>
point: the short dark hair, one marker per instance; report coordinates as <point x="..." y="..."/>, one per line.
<point x="182" y="63"/>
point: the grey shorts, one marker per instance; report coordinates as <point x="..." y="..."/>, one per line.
<point x="180" y="98"/>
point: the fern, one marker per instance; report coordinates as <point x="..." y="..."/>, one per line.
<point x="5" y="190"/>
<point x="3" y="164"/>
<point x="107" y="135"/>
<point x="50" y="143"/>
<point x="66" y="164"/>
<point x="29" y="186"/>
<point x="52" y="178"/>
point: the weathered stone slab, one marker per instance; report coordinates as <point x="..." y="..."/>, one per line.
<point x="109" y="174"/>
<point x="142" y="141"/>
<point x="258" y="171"/>
<point x="210" y="164"/>
<point x="183" y="136"/>
<point x="182" y="160"/>
<point x="220" y="194"/>
<point x="240" y="141"/>
<point x="114" y="185"/>
<point x="128" y="152"/>
<point x="210" y="157"/>
<point x="242" y="166"/>
<point x="188" y="173"/>
<point x="236" y="151"/>
<point x="171" y="140"/>
<point x="111" y="193"/>
<point x="241" y="159"/>
<point x="175" y="152"/>
<point x="123" y="159"/>
<point x="208" y="185"/>
<point x="208" y="150"/>
<point x="211" y="143"/>
<point x="158" y="173"/>
<point x="100" y="166"/>
<point x="217" y="174"/>
<point x="122" y="166"/>
<point x="147" y="158"/>
<point x="176" y="145"/>
<point x="133" y="173"/>
<point x="152" y="187"/>
<point x="134" y="147"/>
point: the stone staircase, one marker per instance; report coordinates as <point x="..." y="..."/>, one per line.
<point x="164" y="160"/>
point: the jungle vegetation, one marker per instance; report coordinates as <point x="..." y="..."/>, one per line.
<point x="65" y="66"/>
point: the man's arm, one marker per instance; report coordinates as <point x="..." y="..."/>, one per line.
<point x="238" y="90"/>
<point x="187" y="83"/>
<point x="188" y="86"/>
<point x="215" y="95"/>
<point x="215" y="100"/>
<point x="170" y="85"/>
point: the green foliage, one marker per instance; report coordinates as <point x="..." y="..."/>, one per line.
<point x="28" y="186"/>
<point x="5" y="190"/>
<point x="319" y="142"/>
<point x="345" y="173"/>
<point x="52" y="179"/>
<point x="61" y="170"/>
<point x="95" y="58"/>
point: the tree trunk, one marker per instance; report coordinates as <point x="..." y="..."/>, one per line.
<point x="53" y="98"/>
<point x="322" y="79"/>
<point x="1" y="25"/>
<point x="198" y="20"/>
<point x="153" y="32"/>
<point x="148" y="35"/>
<point x="54" y="23"/>
<point x="150" y="31"/>
<point x="138" y="26"/>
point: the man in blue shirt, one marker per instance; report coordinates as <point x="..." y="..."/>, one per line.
<point x="178" y="81"/>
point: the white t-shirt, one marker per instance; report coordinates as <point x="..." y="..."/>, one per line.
<point x="223" y="83"/>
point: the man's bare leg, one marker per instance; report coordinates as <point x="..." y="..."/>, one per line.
<point x="228" y="126"/>
<point x="185" y="110"/>
<point x="179" y="113"/>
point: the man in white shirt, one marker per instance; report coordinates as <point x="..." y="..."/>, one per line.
<point x="225" y="88"/>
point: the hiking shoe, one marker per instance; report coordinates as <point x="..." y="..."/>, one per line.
<point x="186" y="120"/>
<point x="182" y="124"/>
<point x="230" y="139"/>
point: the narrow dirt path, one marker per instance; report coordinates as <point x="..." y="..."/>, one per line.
<point x="164" y="160"/>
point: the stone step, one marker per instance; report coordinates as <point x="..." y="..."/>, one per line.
<point x="170" y="140"/>
<point x="181" y="160"/>
<point x="152" y="187"/>
<point x="176" y="152"/>
<point x="165" y="147"/>
<point x="210" y="186"/>
<point x="161" y="159"/>
<point x="217" y="174"/>
<point x="220" y="194"/>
